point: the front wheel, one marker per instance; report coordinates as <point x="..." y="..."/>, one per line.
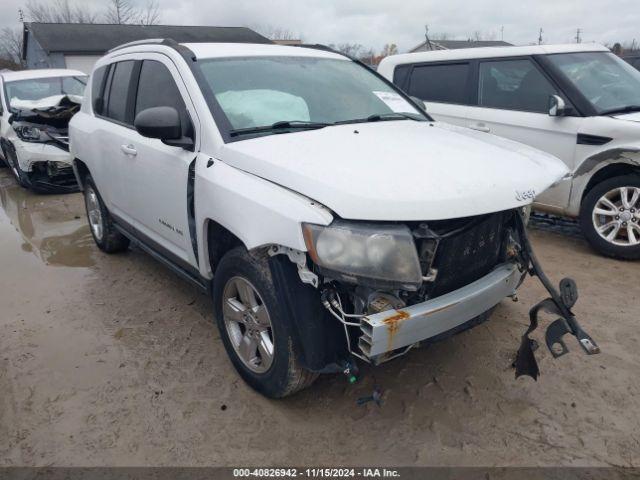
<point x="254" y="331"/>
<point x="12" y="161"/>
<point x="610" y="217"/>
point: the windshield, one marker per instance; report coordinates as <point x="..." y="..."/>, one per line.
<point x="606" y="81"/>
<point x="42" y="92"/>
<point x="256" y="92"/>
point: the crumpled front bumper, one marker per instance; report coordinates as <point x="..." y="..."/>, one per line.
<point x="396" y="329"/>
<point x="29" y="153"/>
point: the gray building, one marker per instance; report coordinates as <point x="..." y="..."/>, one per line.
<point x="456" y="44"/>
<point x="79" y="45"/>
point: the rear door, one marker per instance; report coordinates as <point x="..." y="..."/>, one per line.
<point x="444" y="87"/>
<point x="157" y="174"/>
<point x="513" y="102"/>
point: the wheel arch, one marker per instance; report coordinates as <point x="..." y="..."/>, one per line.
<point x="217" y="241"/>
<point x="599" y="167"/>
<point x="81" y="170"/>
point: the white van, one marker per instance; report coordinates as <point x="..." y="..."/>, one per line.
<point x="578" y="102"/>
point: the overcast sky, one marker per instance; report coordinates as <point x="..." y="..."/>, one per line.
<point x="376" y="22"/>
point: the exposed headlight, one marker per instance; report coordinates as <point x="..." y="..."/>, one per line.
<point x="31" y="134"/>
<point x="365" y="253"/>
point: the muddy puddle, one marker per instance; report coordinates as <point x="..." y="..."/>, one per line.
<point x="50" y="227"/>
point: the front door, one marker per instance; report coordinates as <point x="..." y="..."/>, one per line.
<point x="158" y="173"/>
<point x="513" y="102"/>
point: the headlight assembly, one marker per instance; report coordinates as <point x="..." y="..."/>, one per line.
<point x="365" y="253"/>
<point x="31" y="134"/>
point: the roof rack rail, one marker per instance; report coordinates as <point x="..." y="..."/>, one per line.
<point x="324" y="48"/>
<point x="147" y="41"/>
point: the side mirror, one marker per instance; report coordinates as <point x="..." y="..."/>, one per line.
<point x="10" y="119"/>
<point x="557" y="107"/>
<point x="420" y="102"/>
<point x="164" y="124"/>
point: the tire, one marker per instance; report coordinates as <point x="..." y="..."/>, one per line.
<point x="12" y="161"/>
<point x="623" y="219"/>
<point x="279" y="374"/>
<point x="4" y="163"/>
<point x="104" y="233"/>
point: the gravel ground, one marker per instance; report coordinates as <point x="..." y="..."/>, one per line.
<point x="113" y="360"/>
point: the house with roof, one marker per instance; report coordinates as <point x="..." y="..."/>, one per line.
<point x="456" y="44"/>
<point x="79" y="45"/>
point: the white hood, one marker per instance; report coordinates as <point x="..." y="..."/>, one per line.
<point x="632" y="117"/>
<point x="400" y="170"/>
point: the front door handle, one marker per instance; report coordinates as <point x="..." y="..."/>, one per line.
<point x="129" y="150"/>
<point x="481" y="127"/>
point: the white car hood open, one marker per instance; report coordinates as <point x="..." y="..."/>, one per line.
<point x="400" y="170"/>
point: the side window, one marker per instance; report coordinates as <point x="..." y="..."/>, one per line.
<point x="157" y="88"/>
<point x="97" y="84"/>
<point x="440" y="83"/>
<point x="514" y="85"/>
<point x="119" y="91"/>
<point x="401" y="75"/>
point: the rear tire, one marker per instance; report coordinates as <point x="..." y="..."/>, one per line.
<point x="253" y="326"/>
<point x="104" y="233"/>
<point x="610" y="223"/>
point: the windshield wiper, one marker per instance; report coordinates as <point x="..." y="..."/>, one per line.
<point x="280" y="127"/>
<point x="382" y="117"/>
<point x="627" y="109"/>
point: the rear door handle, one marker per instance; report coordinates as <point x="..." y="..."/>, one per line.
<point x="129" y="150"/>
<point x="481" y="127"/>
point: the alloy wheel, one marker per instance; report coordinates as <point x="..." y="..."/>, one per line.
<point x="248" y="324"/>
<point x="616" y="217"/>
<point x="94" y="212"/>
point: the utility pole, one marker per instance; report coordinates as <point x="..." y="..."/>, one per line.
<point x="502" y="33"/>
<point x="427" y="44"/>
<point x="578" y="39"/>
<point x="540" y="37"/>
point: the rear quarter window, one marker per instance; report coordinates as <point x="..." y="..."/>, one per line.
<point x="445" y="83"/>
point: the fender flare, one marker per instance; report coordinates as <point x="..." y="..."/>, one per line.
<point x="629" y="156"/>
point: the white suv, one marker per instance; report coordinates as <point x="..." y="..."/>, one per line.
<point x="329" y="217"/>
<point x="579" y="102"/>
<point x="35" y="109"/>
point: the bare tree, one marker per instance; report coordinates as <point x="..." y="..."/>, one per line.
<point x="353" y="50"/>
<point x="389" y="49"/>
<point x="59" y="11"/>
<point x="275" y="33"/>
<point x="150" y="14"/>
<point x="121" y="11"/>
<point x="11" y="45"/>
<point x="479" y="36"/>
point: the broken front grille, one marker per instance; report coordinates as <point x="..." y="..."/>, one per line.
<point x="468" y="249"/>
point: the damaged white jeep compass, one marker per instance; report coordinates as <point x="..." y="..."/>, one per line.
<point x="328" y="215"/>
<point x="35" y="109"/>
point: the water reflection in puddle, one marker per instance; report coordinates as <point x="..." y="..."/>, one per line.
<point x="52" y="227"/>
